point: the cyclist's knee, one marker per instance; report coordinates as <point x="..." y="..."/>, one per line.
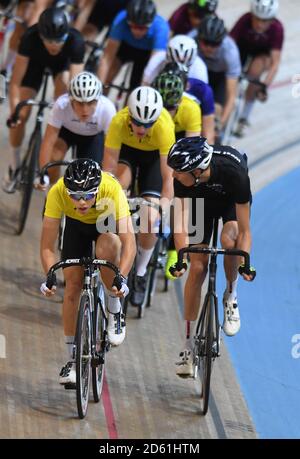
<point x="108" y="246"/>
<point x="229" y="235"/>
<point x="198" y="266"/>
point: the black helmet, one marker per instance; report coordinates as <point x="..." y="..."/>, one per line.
<point x="203" y="7"/>
<point x="170" y="87"/>
<point x="176" y="68"/>
<point x="141" y="12"/>
<point x="82" y="175"/>
<point x="53" y="24"/>
<point x="190" y="153"/>
<point x="212" y="29"/>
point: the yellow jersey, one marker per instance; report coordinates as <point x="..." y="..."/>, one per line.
<point x="110" y="201"/>
<point x="188" y="116"/>
<point x="160" y="136"/>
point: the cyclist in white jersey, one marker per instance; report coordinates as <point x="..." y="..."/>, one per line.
<point x="80" y="119"/>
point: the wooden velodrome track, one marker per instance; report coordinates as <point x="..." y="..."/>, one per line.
<point x="142" y="396"/>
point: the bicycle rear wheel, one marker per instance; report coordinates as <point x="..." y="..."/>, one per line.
<point x="27" y="173"/>
<point x="205" y="351"/>
<point x="83" y="355"/>
<point x="99" y="325"/>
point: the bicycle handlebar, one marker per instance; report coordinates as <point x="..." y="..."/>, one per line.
<point x="49" y="165"/>
<point x="25" y="103"/>
<point x="142" y="202"/>
<point x="115" y="86"/>
<point x="252" y="80"/>
<point x="85" y="261"/>
<point x="212" y="250"/>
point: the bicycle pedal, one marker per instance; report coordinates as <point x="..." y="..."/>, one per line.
<point x="70" y="386"/>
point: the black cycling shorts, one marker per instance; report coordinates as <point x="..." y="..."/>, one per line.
<point x="139" y="57"/>
<point x="87" y="146"/>
<point x="145" y="166"/>
<point x="217" y="81"/>
<point x="34" y="74"/>
<point x="212" y="209"/>
<point x="78" y="239"/>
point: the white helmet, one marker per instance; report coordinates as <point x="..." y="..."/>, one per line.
<point x="85" y="87"/>
<point x="182" y="49"/>
<point x="264" y="9"/>
<point x="145" y="104"/>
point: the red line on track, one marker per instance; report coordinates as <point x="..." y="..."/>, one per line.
<point x="109" y="412"/>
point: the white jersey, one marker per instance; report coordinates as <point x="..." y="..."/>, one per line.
<point x="158" y="61"/>
<point x="63" y="115"/>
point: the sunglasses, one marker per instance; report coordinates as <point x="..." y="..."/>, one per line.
<point x="138" y="27"/>
<point x="211" y="43"/>
<point x="139" y="124"/>
<point x="85" y="195"/>
<point x="57" y="41"/>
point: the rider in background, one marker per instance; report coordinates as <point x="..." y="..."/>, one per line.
<point x="189" y="15"/>
<point x="136" y="35"/>
<point x="49" y="44"/>
<point x="81" y="119"/>
<point x="259" y="37"/>
<point x="221" y="55"/>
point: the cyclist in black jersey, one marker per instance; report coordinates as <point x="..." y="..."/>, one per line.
<point x="49" y="44"/>
<point x="217" y="175"/>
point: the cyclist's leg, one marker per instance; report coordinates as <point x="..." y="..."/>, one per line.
<point x="61" y="147"/>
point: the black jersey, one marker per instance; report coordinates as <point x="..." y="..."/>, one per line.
<point x="32" y="46"/>
<point x="229" y="180"/>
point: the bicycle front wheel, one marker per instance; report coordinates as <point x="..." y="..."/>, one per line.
<point x="83" y="355"/>
<point x="28" y="168"/>
<point x="100" y="349"/>
<point x="205" y="351"/>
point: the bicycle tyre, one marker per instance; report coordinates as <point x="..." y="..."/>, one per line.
<point x="153" y="274"/>
<point x="99" y="324"/>
<point x="83" y="355"/>
<point x="28" y="169"/>
<point x="206" y="353"/>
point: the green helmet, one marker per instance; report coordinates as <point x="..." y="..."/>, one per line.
<point x="171" y="87"/>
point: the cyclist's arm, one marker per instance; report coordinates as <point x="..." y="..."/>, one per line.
<point x="19" y="71"/>
<point x="39" y="7"/>
<point x="128" y="251"/>
<point x="110" y="160"/>
<point x="84" y="13"/>
<point x="243" y="220"/>
<point x="167" y="191"/>
<point x="75" y="69"/>
<point x="50" y="137"/>
<point x="275" y="61"/>
<point x="208" y="128"/>
<point x="231" y="91"/>
<point x="181" y="213"/>
<point x="49" y="236"/>
<point x="154" y="66"/>
<point x="109" y="55"/>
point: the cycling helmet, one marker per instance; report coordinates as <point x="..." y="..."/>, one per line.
<point x="264" y="9"/>
<point x="85" y="87"/>
<point x="170" y="87"/>
<point x="190" y="153"/>
<point x="204" y="7"/>
<point x="176" y="68"/>
<point x="145" y="104"/>
<point x="82" y="175"/>
<point x="182" y="49"/>
<point x="53" y="24"/>
<point x="212" y="29"/>
<point x="141" y="12"/>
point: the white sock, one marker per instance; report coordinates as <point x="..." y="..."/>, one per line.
<point x="69" y="340"/>
<point x="113" y="304"/>
<point x="10" y="60"/>
<point x="231" y="289"/>
<point x="16" y="157"/>
<point x="248" y="106"/>
<point x="142" y="259"/>
<point x="189" y="334"/>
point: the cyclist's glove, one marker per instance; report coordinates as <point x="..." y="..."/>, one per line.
<point x="120" y="282"/>
<point x="177" y="267"/>
<point x="45" y="290"/>
<point x="250" y="272"/>
<point x="41" y="183"/>
<point x="262" y="93"/>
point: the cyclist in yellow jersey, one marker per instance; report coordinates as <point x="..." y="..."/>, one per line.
<point x="186" y="115"/>
<point x="96" y="209"/>
<point x="138" y="140"/>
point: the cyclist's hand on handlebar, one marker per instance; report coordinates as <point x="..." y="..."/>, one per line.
<point x="119" y="286"/>
<point x="12" y="123"/>
<point x="248" y="274"/>
<point x="262" y="94"/>
<point x="178" y="269"/>
<point x="46" y="291"/>
<point x="38" y="185"/>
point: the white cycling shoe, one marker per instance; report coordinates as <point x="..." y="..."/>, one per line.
<point x="232" y="323"/>
<point x="68" y="374"/>
<point x="116" y="329"/>
<point x="184" y="367"/>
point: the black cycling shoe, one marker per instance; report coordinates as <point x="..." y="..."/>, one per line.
<point x="139" y="290"/>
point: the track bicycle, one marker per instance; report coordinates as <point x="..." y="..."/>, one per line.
<point x="91" y="340"/>
<point x="24" y="175"/>
<point x="208" y="330"/>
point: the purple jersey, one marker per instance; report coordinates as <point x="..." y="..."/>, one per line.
<point x="252" y="43"/>
<point x="179" y="21"/>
